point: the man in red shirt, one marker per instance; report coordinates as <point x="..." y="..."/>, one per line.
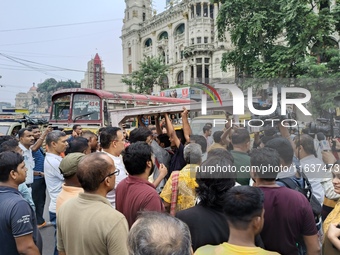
<point x="135" y="193"/>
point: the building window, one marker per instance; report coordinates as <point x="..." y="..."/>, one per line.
<point x="143" y="16"/>
<point x="198" y="61"/>
<point x="180" y="29"/>
<point x="148" y="42"/>
<point x="165" y="82"/>
<point x="163" y="35"/>
<point x="198" y="10"/>
<point x="206" y="60"/>
<point x="192" y="41"/>
<point x="130" y="68"/>
<point x="129" y="51"/>
<point x="205" y="10"/>
<point x="180" y="78"/>
<point x="205" y="39"/>
<point x="199" y="39"/>
<point x="182" y="54"/>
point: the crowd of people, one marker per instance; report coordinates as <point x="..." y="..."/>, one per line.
<point x="156" y="191"/>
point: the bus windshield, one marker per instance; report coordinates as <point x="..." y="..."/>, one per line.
<point x="86" y="107"/>
<point x="61" y="108"/>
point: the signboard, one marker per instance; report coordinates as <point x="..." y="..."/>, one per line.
<point x="184" y="93"/>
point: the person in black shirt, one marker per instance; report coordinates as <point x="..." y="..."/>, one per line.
<point x="206" y="220"/>
<point x="18" y="224"/>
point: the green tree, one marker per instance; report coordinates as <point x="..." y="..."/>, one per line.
<point x="49" y="86"/>
<point x="150" y="72"/>
<point x="275" y="39"/>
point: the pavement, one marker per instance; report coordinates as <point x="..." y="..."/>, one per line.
<point x="47" y="232"/>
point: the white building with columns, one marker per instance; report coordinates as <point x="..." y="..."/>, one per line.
<point x="185" y="35"/>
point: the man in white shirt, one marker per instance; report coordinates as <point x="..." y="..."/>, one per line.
<point x="207" y="131"/>
<point x="26" y="140"/>
<point x="313" y="167"/>
<point x="57" y="144"/>
<point x="112" y="142"/>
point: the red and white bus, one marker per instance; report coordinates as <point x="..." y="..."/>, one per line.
<point x="91" y="107"/>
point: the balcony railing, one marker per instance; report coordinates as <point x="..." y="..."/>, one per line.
<point x="147" y="49"/>
<point x="163" y="43"/>
<point x="190" y="50"/>
<point x="179" y="37"/>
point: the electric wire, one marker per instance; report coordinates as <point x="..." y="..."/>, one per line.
<point x="60" y="25"/>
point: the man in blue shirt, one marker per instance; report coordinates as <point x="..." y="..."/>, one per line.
<point x="39" y="185"/>
<point x="18" y="225"/>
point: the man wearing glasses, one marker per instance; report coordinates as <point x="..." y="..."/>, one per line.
<point x="88" y="224"/>
<point x="112" y="141"/>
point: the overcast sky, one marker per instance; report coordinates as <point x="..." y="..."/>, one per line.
<point x="30" y="54"/>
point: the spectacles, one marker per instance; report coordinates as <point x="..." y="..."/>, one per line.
<point x="110" y="174"/>
<point x="123" y="140"/>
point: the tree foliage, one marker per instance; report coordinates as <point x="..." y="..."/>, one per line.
<point x="151" y="71"/>
<point x="282" y="39"/>
<point x="49" y="86"/>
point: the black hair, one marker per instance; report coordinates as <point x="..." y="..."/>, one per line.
<point x="266" y="163"/>
<point x="22" y="131"/>
<point x="242" y="204"/>
<point x="212" y="186"/>
<point x="164" y="138"/>
<point x="306" y="142"/>
<point x="221" y="153"/>
<point x="78" y="144"/>
<point x="180" y="135"/>
<point x="283" y="147"/>
<point x="136" y="157"/>
<point x="217" y="136"/>
<point x="140" y="134"/>
<point x="9" y="145"/>
<point x="9" y="160"/>
<point x="75" y="127"/>
<point x="305" y="131"/>
<point x="240" y="136"/>
<point x="5" y="138"/>
<point x="101" y="130"/>
<point x="108" y="135"/>
<point x="200" y="139"/>
<point x="206" y="128"/>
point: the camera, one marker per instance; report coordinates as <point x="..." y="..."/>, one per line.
<point x="324" y="126"/>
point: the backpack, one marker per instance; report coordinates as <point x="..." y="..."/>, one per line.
<point x="303" y="186"/>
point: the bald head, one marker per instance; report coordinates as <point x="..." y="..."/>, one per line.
<point x="92" y="169"/>
<point x="159" y="233"/>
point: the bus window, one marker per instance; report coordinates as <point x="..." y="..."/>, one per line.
<point x="61" y="108"/>
<point x="86" y="107"/>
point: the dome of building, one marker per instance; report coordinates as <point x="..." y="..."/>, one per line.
<point x="33" y="88"/>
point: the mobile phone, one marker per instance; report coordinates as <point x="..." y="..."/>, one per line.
<point x="324" y="145"/>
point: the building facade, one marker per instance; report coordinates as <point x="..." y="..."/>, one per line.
<point x="30" y="101"/>
<point x="185" y="35"/>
